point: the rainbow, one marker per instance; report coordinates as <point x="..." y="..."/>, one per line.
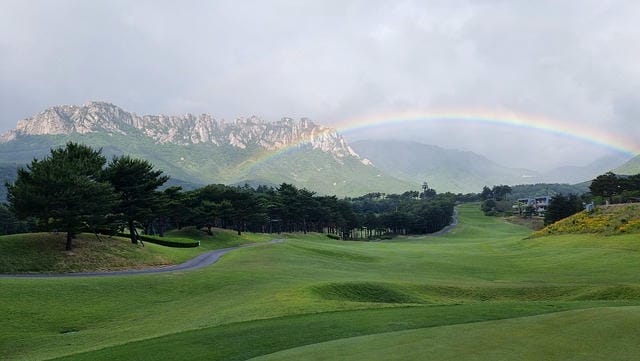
<point x="571" y="130"/>
<point x="574" y="130"/>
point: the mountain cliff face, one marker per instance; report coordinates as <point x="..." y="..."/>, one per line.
<point x="200" y="150"/>
<point x="188" y="129"/>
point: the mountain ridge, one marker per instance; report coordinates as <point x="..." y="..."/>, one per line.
<point x="96" y="116"/>
<point x="203" y="150"/>
<point x="200" y="149"/>
<point x="465" y="171"/>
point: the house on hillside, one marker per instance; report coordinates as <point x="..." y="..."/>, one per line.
<point x="537" y="205"/>
<point x="521" y="205"/>
<point x="541" y="204"/>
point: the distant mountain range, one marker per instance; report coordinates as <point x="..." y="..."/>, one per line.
<point x="443" y="169"/>
<point x="578" y="174"/>
<point x="464" y="171"/>
<point x="199" y="149"/>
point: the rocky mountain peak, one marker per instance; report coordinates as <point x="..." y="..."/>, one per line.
<point x="251" y="132"/>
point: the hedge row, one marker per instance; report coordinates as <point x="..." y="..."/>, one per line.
<point x="176" y="243"/>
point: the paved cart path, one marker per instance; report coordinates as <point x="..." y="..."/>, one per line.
<point x="447" y="229"/>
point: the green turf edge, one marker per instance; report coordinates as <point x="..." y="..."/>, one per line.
<point x="241" y="341"/>
<point x="604" y="333"/>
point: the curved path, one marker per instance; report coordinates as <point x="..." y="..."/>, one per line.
<point x="200" y="261"/>
<point x="447" y="229"/>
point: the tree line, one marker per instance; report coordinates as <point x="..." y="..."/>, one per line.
<point x="608" y="187"/>
<point x="616" y="188"/>
<point x="75" y="189"/>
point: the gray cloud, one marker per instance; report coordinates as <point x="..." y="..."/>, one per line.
<point x="574" y="61"/>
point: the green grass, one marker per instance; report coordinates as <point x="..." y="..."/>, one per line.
<point x="593" y="334"/>
<point x="606" y="220"/>
<point x="310" y="290"/>
<point x="44" y="252"/>
<point x="221" y="238"/>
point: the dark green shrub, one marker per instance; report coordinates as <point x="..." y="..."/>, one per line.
<point x="176" y="243"/>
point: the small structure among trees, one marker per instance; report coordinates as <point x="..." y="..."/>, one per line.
<point x="532" y="206"/>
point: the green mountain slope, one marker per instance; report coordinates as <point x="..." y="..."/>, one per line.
<point x="200" y="149"/>
<point x="191" y="165"/>
<point x="630" y="167"/>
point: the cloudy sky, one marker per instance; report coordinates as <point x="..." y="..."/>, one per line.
<point x="576" y="63"/>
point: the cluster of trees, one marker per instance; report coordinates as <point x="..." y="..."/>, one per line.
<point x="606" y="187"/>
<point x="287" y="208"/>
<point x="562" y="206"/>
<point x="411" y="212"/>
<point x="497" y="193"/>
<point x="75" y="189"/>
<point x="264" y="209"/>
<point x="616" y="188"/>
<point x="494" y="200"/>
<point x="9" y="224"/>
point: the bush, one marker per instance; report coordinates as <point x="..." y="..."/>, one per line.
<point x="333" y="236"/>
<point x="173" y="242"/>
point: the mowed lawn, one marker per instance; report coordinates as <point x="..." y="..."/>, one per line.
<point x="315" y="298"/>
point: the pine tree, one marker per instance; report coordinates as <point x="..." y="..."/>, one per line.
<point x="135" y="183"/>
<point x="64" y="191"/>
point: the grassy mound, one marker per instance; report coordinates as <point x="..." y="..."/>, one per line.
<point x="613" y="219"/>
<point x="44" y="252"/>
<point x="365" y="292"/>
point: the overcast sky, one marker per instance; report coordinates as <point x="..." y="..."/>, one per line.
<point x="572" y="61"/>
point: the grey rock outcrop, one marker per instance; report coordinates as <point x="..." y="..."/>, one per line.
<point x="186" y="129"/>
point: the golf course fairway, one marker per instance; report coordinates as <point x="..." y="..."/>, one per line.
<point x="484" y="291"/>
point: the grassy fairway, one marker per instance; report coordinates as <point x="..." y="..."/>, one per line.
<point x="482" y="277"/>
<point x="593" y="334"/>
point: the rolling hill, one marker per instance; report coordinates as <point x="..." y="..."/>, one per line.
<point x="630" y="167"/>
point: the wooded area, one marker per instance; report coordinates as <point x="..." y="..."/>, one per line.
<point x="75" y="189"/>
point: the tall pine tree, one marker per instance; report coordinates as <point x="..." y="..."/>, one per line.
<point x="135" y="182"/>
<point x="64" y="191"/>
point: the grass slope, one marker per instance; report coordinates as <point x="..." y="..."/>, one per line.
<point x="612" y="219"/>
<point x="567" y="335"/>
<point x="307" y="290"/>
<point x="44" y="252"/>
